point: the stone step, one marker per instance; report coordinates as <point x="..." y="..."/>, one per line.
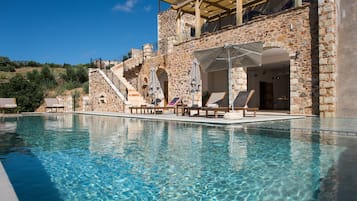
<point x="134" y="97"/>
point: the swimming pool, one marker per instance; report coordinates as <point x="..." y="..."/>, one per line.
<point x="84" y="157"/>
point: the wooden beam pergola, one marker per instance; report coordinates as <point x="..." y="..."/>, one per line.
<point x="212" y="10"/>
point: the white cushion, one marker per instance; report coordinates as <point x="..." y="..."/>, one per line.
<point x="10" y="105"/>
<point x="214" y="105"/>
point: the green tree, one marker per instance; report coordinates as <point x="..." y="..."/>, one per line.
<point x="47" y="78"/>
<point x="28" y="94"/>
<point x="82" y="74"/>
<point x="4" y="60"/>
<point x="6" y="65"/>
<point x="33" y="64"/>
<point x="34" y="76"/>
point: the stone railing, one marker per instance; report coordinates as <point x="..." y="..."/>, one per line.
<point x="116" y="83"/>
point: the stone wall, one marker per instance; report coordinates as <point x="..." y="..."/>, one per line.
<point x="327" y="57"/>
<point x="346" y="105"/>
<point x="290" y="30"/>
<point x="166" y="29"/>
<point x="102" y="97"/>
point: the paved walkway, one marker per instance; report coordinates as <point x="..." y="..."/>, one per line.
<point x="6" y="190"/>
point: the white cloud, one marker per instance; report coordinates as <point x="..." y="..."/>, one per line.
<point x="127" y="6"/>
<point x="148" y="8"/>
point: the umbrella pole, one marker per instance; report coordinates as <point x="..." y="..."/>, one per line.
<point x="230" y="78"/>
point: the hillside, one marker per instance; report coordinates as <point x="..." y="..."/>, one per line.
<point x="30" y="84"/>
<point x="6" y="76"/>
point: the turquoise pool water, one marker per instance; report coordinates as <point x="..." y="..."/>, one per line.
<point x="79" y="157"/>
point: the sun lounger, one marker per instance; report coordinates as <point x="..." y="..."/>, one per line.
<point x="53" y="103"/>
<point x="156" y="109"/>
<point x="212" y="102"/>
<point x="240" y="103"/>
<point x="8" y="103"/>
<point x="242" y="100"/>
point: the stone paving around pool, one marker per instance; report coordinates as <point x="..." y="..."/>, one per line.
<point x="172" y="117"/>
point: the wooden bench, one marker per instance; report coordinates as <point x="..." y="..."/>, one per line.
<point x="52" y="103"/>
<point x="8" y="103"/>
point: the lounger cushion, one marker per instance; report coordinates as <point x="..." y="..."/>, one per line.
<point x="10" y="105"/>
<point x="57" y="105"/>
<point x="213" y="105"/>
<point x="174" y="101"/>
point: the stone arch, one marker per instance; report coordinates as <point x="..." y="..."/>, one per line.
<point x="293" y="95"/>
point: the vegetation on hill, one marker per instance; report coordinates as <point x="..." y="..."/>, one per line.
<point x="43" y="80"/>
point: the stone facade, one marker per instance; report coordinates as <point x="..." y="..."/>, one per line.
<point x="171" y="31"/>
<point x="309" y="34"/>
<point x="274" y="31"/>
<point x="166" y="29"/>
<point x="102" y="97"/>
<point x="327" y="57"/>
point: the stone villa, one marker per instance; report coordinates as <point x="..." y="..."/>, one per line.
<point x="307" y="58"/>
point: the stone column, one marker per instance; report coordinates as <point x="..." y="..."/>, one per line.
<point x="198" y="18"/>
<point x="240" y="80"/>
<point x="327" y="57"/>
<point x="239" y="13"/>
<point x="298" y="3"/>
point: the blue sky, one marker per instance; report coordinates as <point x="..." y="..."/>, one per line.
<point x="74" y="31"/>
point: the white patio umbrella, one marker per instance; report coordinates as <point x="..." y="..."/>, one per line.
<point x="195" y="79"/>
<point x="155" y="90"/>
<point x="242" y="55"/>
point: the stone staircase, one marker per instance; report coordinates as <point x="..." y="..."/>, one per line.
<point x="132" y="96"/>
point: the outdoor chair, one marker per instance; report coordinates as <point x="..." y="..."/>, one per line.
<point x="240" y="103"/>
<point x="8" y="103"/>
<point x="213" y="101"/>
<point x="53" y="103"/>
<point x="242" y="100"/>
<point x="158" y="108"/>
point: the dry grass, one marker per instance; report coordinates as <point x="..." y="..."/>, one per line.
<point x="6" y="76"/>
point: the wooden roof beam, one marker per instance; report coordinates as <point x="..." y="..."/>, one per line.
<point x="182" y="4"/>
<point x="254" y="3"/>
<point x="217" y="5"/>
<point x="249" y="4"/>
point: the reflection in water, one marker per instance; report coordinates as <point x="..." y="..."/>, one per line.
<point x="9" y="140"/>
<point x="237" y="150"/>
<point x="123" y="158"/>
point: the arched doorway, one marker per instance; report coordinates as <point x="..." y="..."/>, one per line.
<point x="163" y="78"/>
<point x="271" y="81"/>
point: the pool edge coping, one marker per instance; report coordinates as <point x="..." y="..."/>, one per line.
<point x="212" y="121"/>
<point x="7" y="191"/>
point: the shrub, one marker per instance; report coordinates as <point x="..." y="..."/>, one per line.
<point x="28" y="94"/>
<point x="7" y="68"/>
<point x="85" y="87"/>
